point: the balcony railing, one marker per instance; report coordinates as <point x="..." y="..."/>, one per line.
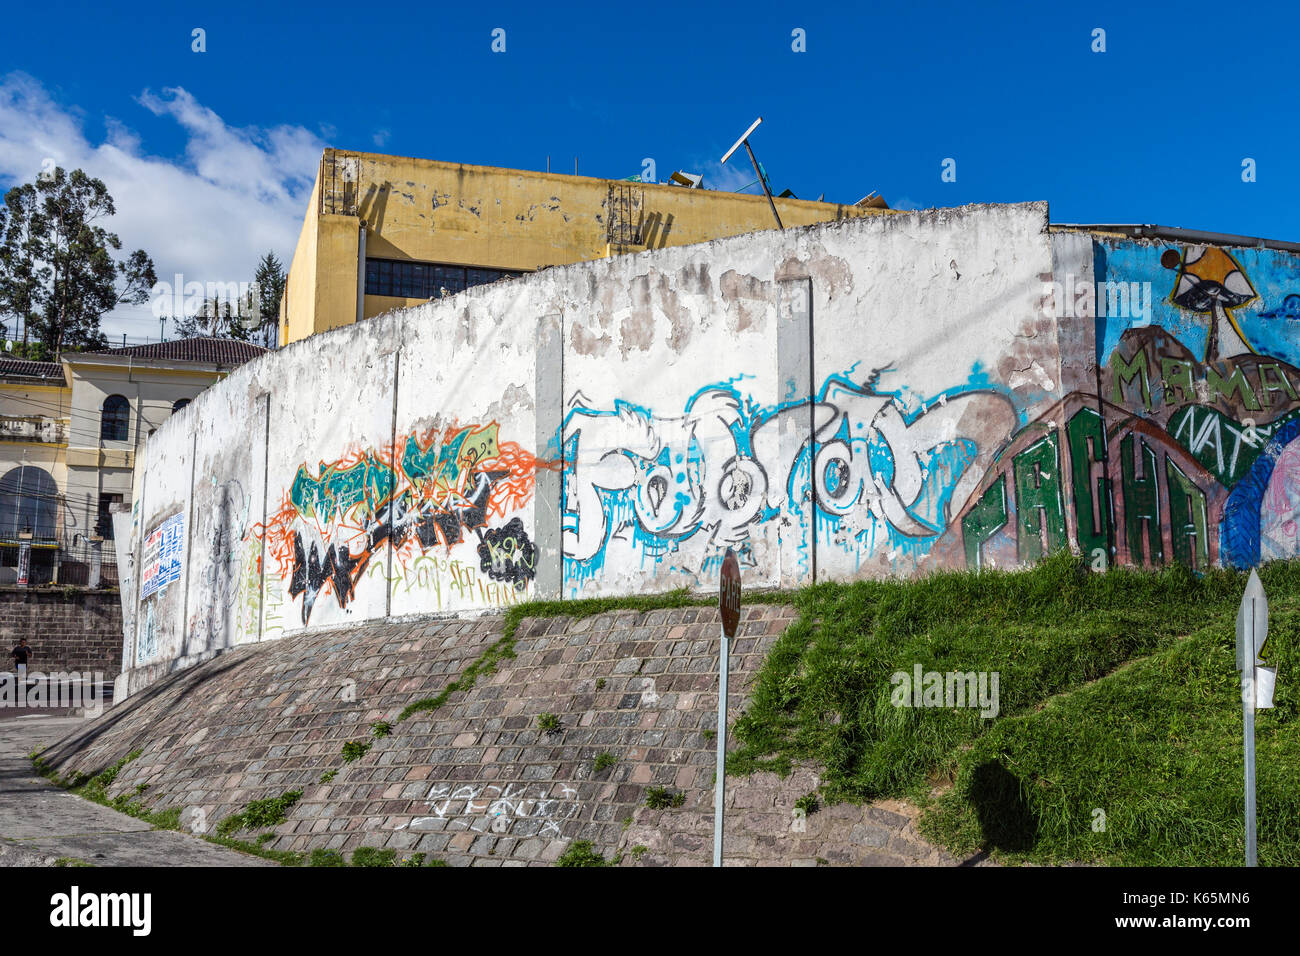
<point x="49" y="431"/>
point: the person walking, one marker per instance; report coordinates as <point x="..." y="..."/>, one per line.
<point x="20" y="654"/>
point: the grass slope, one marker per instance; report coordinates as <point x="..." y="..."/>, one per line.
<point x="1117" y="692"/>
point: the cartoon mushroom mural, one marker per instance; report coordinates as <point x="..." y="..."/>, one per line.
<point x="1210" y="280"/>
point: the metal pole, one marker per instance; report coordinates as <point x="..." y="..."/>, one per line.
<point x="763" y="179"/>
<point x="1248" y="711"/>
<point x="719" y="792"/>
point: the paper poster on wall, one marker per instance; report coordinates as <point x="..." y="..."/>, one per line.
<point x="161" y="561"/>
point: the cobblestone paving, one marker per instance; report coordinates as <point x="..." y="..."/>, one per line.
<point x="478" y="781"/>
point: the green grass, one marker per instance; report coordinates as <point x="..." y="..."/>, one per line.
<point x="94" y="787"/>
<point x="373" y="857"/>
<point x="581" y="853"/>
<point x="283" y="857"/>
<point x="259" y="814"/>
<point x="355" y="750"/>
<point x="548" y="723"/>
<point x="808" y="803"/>
<point x="1156" y="747"/>
<point x="661" y="798"/>
<point x="1155" y="744"/>
<point x="323" y="857"/>
<point x="604" y="760"/>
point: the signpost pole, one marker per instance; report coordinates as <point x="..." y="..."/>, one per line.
<point x="1248" y="725"/>
<point x="1252" y="632"/>
<point x="721" y="788"/>
<point x="729" y="608"/>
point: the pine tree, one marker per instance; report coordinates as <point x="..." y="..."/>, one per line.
<point x="270" y="280"/>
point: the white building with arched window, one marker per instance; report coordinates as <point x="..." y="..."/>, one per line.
<point x="69" y="434"/>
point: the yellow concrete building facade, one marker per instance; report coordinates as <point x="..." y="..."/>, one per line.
<point x="386" y="232"/>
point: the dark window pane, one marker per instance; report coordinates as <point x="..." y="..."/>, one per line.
<point x="115" y="419"/>
<point x="28" y="502"/>
<point x="426" y="280"/>
<point x="451" y="278"/>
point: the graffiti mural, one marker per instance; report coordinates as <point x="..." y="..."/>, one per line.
<point x="1186" y="453"/>
<point x="431" y="491"/>
<point x="681" y="489"/>
<point x="936" y="410"/>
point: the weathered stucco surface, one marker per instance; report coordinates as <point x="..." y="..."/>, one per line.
<point x="947" y="388"/>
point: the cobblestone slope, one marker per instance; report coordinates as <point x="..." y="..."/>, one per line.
<point x="478" y="780"/>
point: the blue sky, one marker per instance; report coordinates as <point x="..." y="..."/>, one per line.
<point x="210" y="155"/>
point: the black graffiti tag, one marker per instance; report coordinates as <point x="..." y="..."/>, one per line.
<point x="506" y="554"/>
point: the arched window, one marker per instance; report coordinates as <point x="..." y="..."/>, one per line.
<point x="115" y="420"/>
<point x="179" y="404"/>
<point x="29" y="501"/>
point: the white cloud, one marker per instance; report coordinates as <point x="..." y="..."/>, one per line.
<point x="381" y="137"/>
<point x="236" y="193"/>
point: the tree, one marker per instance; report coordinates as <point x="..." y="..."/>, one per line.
<point x="216" y="318"/>
<point x="84" y="281"/>
<point x="232" y="322"/>
<point x="270" y="281"/>
<point x="187" y="327"/>
<point x="23" y="276"/>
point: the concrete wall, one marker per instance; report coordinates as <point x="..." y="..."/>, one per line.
<point x="604" y="428"/>
<point x="859" y="399"/>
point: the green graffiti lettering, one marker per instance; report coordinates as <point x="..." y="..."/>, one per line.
<point x="437" y="462"/>
<point x="338" y="491"/>
<point x="1283" y="384"/>
<point x="1123" y="373"/>
<point x="1141" y="502"/>
<point x="1041" y="525"/>
<point x="984" y="521"/>
<point x="1177" y="376"/>
<point x="1087" y="439"/>
<point x="1234" y="384"/>
<point x="1188" y="518"/>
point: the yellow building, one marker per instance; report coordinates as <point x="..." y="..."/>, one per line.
<point x="385" y="232"/>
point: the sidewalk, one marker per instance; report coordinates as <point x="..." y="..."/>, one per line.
<point x="39" y="823"/>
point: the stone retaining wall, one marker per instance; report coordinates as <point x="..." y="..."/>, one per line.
<point x="477" y="781"/>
